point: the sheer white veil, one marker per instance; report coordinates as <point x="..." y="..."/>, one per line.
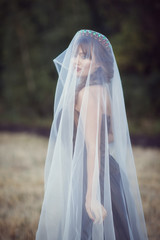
<point x="91" y="188"/>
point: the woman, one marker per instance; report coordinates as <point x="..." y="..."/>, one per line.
<point x="91" y="189"/>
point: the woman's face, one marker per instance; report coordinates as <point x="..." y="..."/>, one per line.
<point x="84" y="64"/>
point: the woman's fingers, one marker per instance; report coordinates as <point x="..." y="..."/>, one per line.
<point x="104" y="212"/>
<point x="88" y="209"/>
<point x="100" y="217"/>
<point x="96" y="211"/>
<point x="90" y="214"/>
<point x="99" y="212"/>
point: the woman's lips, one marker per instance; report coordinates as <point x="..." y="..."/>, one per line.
<point x="78" y="69"/>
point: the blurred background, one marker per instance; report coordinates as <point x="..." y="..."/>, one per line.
<point x="32" y="34"/>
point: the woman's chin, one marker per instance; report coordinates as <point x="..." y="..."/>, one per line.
<point x="80" y="74"/>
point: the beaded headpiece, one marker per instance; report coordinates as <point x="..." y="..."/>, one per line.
<point x="98" y="36"/>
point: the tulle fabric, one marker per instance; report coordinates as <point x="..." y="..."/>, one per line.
<point x="89" y="165"/>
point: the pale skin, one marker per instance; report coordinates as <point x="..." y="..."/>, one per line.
<point x="94" y="208"/>
<point x="83" y="64"/>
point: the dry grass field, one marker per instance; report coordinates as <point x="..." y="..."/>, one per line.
<point x="22" y="158"/>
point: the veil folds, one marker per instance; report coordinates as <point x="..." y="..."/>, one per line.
<point x="91" y="189"/>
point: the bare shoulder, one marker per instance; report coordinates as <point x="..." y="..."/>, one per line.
<point x="92" y="89"/>
<point x="89" y="93"/>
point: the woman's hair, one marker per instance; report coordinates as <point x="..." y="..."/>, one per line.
<point x="104" y="59"/>
<point x="103" y="56"/>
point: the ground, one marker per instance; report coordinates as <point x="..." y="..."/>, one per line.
<point x="22" y="158"/>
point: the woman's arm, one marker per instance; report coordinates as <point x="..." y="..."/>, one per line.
<point x="92" y="140"/>
<point x="91" y="116"/>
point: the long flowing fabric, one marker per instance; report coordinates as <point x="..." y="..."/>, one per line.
<point x="91" y="189"/>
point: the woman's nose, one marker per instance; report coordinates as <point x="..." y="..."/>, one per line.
<point x="76" y="60"/>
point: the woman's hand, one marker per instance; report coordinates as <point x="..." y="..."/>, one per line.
<point x="95" y="210"/>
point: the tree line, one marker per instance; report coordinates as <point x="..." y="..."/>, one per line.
<point x="34" y="32"/>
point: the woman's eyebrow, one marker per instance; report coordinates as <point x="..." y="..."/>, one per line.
<point x="82" y="53"/>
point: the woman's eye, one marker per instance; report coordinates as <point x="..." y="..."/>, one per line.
<point x="83" y="56"/>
